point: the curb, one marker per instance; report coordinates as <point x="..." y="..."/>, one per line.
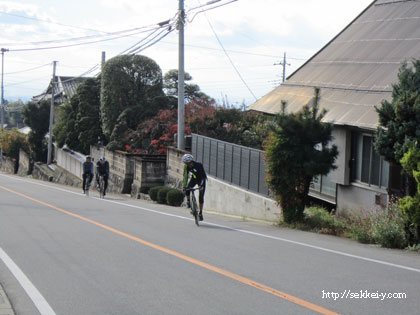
<point x="5" y="306"/>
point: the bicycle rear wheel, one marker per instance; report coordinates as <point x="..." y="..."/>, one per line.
<point x="195" y="210"/>
<point x="101" y="189"/>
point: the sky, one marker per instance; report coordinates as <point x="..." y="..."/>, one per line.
<point x="233" y="48"/>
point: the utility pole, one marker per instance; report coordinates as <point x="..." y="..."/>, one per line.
<point x="50" y="134"/>
<point x="102" y="60"/>
<point x="3" y="50"/>
<point x="284" y="64"/>
<point x="181" y="110"/>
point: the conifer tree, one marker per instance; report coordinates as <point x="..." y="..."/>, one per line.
<point x="400" y="119"/>
<point x="298" y="149"/>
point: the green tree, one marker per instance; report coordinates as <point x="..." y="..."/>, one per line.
<point x="65" y="130"/>
<point x="12" y="141"/>
<point x="191" y="91"/>
<point x="410" y="205"/>
<point x="399" y="120"/>
<point x="88" y="122"/>
<point x="298" y="148"/>
<point x="129" y="81"/>
<point x="79" y="125"/>
<point x="37" y="117"/>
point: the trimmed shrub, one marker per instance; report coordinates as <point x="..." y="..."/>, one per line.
<point x="175" y="197"/>
<point x="153" y="192"/>
<point x="161" y="195"/>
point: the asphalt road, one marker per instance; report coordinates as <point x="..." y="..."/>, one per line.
<point x="64" y="253"/>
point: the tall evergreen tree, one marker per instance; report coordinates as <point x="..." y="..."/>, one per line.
<point x="298" y="148"/>
<point x="88" y="121"/>
<point x="36" y="116"/>
<point x="129" y="81"/>
<point x="400" y="119"/>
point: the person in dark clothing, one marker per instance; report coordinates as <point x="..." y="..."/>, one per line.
<point x="102" y="169"/>
<point x="198" y="177"/>
<point x="87" y="171"/>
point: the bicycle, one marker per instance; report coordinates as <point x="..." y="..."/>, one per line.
<point x="194" y="208"/>
<point x="87" y="186"/>
<point x="101" y="187"/>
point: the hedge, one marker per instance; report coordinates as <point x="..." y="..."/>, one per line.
<point x="161" y="195"/>
<point x="153" y="192"/>
<point x="174" y="197"/>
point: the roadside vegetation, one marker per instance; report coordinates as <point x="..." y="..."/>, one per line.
<point x="386" y="227"/>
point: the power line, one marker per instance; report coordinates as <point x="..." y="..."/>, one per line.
<point x="45" y="21"/>
<point x="227" y="55"/>
<point x="27" y="70"/>
<point x="208" y="9"/>
<point x="78" y="38"/>
<point x="78" y="44"/>
<point x="237" y="52"/>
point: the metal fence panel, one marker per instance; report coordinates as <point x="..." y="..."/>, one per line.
<point x="245" y="157"/>
<point x="241" y="166"/>
<point x="228" y="162"/>
<point x="206" y="154"/>
<point x="220" y="173"/>
<point x="236" y="165"/>
<point x="254" y="170"/>
<point x="213" y="157"/>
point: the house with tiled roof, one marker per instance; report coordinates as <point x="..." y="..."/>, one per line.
<point x="64" y="88"/>
<point x="355" y="71"/>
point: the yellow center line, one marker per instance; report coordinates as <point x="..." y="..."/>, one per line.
<point x="220" y="271"/>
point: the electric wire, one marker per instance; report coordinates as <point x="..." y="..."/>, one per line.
<point x="208" y="9"/>
<point x="77" y="44"/>
<point x="50" y="22"/>
<point x="27" y="70"/>
<point x="77" y="38"/>
<point x="137" y="43"/>
<point x="139" y="49"/>
<point x="227" y="55"/>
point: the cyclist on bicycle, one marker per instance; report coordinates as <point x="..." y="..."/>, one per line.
<point x="198" y="177"/>
<point x="87" y="171"/>
<point x="102" y="169"/>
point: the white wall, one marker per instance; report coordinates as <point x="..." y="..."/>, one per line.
<point x="358" y="198"/>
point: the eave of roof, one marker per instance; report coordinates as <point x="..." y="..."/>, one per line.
<point x="356" y="69"/>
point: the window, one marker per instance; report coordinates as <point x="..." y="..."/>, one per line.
<point x="366" y="165"/>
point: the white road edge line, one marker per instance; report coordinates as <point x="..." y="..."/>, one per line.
<point x="40" y="303"/>
<point x="242" y="231"/>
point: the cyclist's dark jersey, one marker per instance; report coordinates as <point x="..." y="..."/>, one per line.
<point x="197" y="173"/>
<point x="87" y="167"/>
<point x="102" y="169"/>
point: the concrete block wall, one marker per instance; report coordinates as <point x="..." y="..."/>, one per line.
<point x="70" y="160"/>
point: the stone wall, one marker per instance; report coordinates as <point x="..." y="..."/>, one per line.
<point x="121" y="168"/>
<point x="25" y="164"/>
<point x="175" y="167"/>
<point x="8" y="165"/>
<point x="149" y="171"/>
